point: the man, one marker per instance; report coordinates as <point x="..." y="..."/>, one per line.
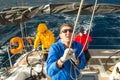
<point x="62" y="59"/>
<point x="45" y="37"/>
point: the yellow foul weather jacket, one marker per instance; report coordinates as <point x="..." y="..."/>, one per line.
<point x="46" y="39"/>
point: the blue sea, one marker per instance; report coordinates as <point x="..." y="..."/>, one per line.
<point x="105" y="29"/>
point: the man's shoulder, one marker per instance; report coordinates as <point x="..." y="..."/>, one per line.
<point x="57" y="42"/>
<point x="56" y="45"/>
<point x="77" y="43"/>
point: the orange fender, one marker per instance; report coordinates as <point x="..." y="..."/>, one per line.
<point x="20" y="45"/>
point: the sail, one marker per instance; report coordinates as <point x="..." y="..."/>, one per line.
<point x="16" y="15"/>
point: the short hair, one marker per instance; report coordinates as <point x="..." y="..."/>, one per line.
<point x="66" y="24"/>
<point x="82" y="29"/>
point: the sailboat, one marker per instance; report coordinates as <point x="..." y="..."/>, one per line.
<point x="35" y="66"/>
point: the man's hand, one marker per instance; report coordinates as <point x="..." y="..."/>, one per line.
<point x="73" y="58"/>
<point x="68" y="53"/>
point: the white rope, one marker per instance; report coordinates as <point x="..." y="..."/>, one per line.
<point x="88" y="32"/>
<point x="89" y="28"/>
<point x="77" y="18"/>
<point x="76" y="21"/>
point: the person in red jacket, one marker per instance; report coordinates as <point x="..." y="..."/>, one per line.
<point x="84" y="39"/>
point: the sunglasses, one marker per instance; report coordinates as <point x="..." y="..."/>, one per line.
<point x="65" y="30"/>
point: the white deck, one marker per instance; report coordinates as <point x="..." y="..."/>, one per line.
<point x="99" y="56"/>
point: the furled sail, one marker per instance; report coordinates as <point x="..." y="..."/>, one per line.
<point x="16" y="15"/>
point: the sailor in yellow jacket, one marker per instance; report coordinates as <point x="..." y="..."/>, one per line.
<point x="45" y="37"/>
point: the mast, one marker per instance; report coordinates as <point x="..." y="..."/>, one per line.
<point x="22" y="29"/>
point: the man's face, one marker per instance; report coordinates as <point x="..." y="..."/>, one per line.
<point x="66" y="33"/>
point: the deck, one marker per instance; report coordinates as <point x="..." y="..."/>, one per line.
<point x="95" y="70"/>
<point x="102" y="62"/>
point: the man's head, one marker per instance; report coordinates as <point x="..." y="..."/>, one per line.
<point x="82" y="30"/>
<point x="66" y="32"/>
<point x="42" y="28"/>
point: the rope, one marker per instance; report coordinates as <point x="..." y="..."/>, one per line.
<point x="89" y="28"/>
<point x="77" y="18"/>
<point x="88" y="32"/>
<point x="76" y="21"/>
<point x="75" y="69"/>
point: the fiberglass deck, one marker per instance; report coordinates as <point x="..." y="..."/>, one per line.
<point x="99" y="58"/>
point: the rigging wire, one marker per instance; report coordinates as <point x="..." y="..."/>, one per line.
<point x="22" y="34"/>
<point x="6" y="61"/>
